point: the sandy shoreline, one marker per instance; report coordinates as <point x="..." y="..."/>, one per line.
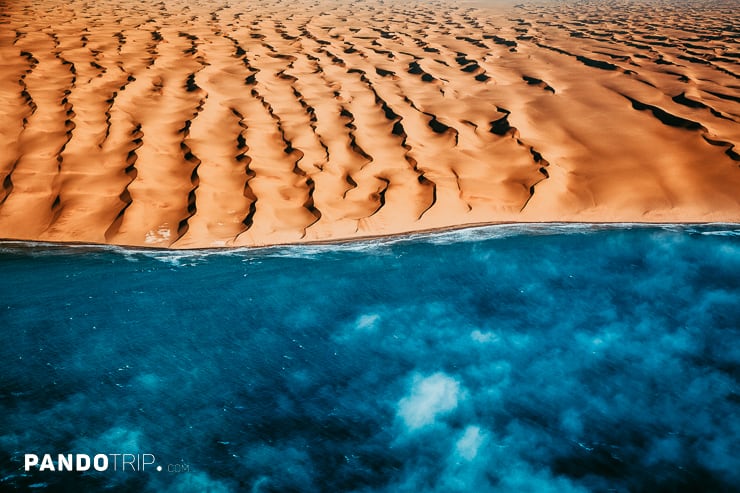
<point x="521" y="228"/>
<point x="203" y="125"/>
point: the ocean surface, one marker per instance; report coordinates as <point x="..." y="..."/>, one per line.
<point x="505" y="359"/>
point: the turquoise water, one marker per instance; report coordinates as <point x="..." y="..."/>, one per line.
<point x="553" y="358"/>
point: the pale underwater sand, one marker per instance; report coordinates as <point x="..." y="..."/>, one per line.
<point x="200" y="124"/>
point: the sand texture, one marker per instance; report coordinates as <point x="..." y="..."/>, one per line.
<point x="199" y="124"/>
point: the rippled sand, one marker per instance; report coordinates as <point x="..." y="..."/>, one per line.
<point x="195" y="124"/>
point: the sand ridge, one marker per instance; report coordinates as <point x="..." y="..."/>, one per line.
<point x="201" y="124"/>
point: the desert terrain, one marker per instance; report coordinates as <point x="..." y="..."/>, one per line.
<point x="190" y="124"/>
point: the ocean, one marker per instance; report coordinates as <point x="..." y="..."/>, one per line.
<point x="553" y="358"/>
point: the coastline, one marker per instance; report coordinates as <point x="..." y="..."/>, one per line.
<point x="486" y="230"/>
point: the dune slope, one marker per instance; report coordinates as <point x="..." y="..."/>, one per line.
<point x="202" y="124"/>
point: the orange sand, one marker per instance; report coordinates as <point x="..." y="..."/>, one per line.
<point x="214" y="123"/>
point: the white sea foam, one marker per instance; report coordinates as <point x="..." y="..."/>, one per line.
<point x="468" y="445"/>
<point x="378" y="245"/>
<point x="430" y="397"/>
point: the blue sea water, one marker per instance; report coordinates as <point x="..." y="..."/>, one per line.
<point x="505" y="359"/>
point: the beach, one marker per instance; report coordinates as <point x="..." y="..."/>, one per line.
<point x="225" y="124"/>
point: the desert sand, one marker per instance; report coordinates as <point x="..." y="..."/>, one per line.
<point x="190" y="124"/>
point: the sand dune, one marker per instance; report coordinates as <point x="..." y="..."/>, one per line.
<point x="199" y="124"/>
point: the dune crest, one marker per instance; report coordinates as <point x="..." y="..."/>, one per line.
<point x="206" y="124"/>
